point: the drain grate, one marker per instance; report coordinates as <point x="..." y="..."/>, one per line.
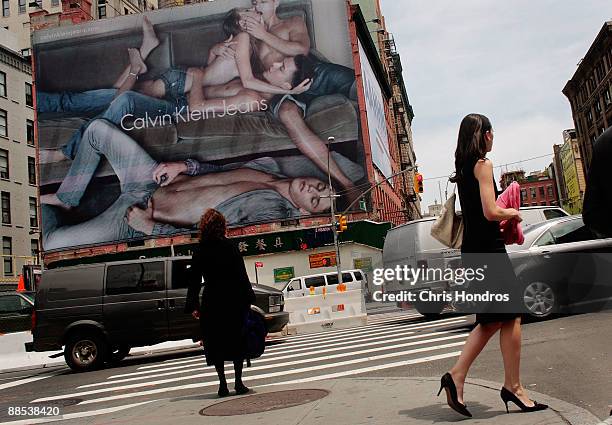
<point x="264" y="402"/>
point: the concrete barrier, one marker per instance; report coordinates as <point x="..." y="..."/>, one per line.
<point x="334" y="310"/>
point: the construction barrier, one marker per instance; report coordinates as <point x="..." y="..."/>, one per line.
<point x="333" y="310"/>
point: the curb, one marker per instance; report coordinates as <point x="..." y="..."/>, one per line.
<point x="607" y="421"/>
<point x="575" y="415"/>
<point x="62" y="364"/>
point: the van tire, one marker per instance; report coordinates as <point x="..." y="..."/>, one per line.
<point x="431" y="310"/>
<point x="119" y="353"/>
<point x="85" y="351"/>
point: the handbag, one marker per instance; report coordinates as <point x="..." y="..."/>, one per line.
<point x="448" y="228"/>
<point x="255" y="338"/>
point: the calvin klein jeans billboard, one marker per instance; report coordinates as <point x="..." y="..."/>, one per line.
<point x="377" y="124"/>
<point x="145" y="121"/>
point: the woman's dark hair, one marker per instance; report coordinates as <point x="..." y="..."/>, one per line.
<point x="212" y="225"/>
<point x="305" y="69"/>
<point x="231" y="26"/>
<point x="471" y="142"/>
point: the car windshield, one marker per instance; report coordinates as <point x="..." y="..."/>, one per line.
<point x="531" y="233"/>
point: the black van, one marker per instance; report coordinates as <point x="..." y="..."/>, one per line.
<point x="99" y="311"/>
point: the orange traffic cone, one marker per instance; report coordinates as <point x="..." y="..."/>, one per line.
<point x="21" y="284"/>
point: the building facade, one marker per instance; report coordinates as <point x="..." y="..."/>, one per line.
<point x="18" y="174"/>
<point x="537" y="189"/>
<point x="590" y="93"/>
<point x="20" y="17"/>
<point x="572" y="173"/>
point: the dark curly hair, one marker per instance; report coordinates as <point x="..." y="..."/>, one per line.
<point x="212" y="225"/>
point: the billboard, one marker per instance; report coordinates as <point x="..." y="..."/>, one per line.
<point x="145" y="121"/>
<point x="377" y="122"/>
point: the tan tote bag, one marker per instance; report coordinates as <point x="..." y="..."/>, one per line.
<point x="448" y="228"/>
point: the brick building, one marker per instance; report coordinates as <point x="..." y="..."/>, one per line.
<point x="589" y="92"/>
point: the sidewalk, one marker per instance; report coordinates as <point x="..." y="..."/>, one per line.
<point x="349" y="401"/>
<point x="13" y="356"/>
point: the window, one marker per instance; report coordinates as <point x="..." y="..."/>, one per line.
<point x="33" y="212"/>
<point x="26" y="53"/>
<point x="12" y="304"/>
<point x="180" y="273"/>
<point x="55" y="3"/>
<point x="523" y="195"/>
<point x="541" y="189"/>
<point x="125" y="11"/>
<point x="571" y="231"/>
<point x="347" y="277"/>
<point x="2" y="84"/>
<point x="31" y="170"/>
<point x="34" y="247"/>
<point x="332" y="279"/>
<point x="607" y="97"/>
<point x="545" y="239"/>
<point x="30" y="132"/>
<point x="28" y="95"/>
<point x="597" y="109"/>
<point x="6" y="208"/>
<point x="549" y="191"/>
<point x="533" y="192"/>
<point x="22" y="6"/>
<point x="294" y="285"/>
<point x="4" y="164"/>
<point x="315" y="281"/>
<point x="3" y="123"/>
<point x="7" y="255"/>
<point x="6" y="9"/>
<point x="135" y="278"/>
<point x="550" y="214"/>
<point x="101" y="9"/>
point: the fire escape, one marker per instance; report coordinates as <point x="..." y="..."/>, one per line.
<point x="403" y="114"/>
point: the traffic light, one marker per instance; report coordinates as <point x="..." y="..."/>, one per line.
<point x="418" y="183"/>
<point x="342" y="223"/>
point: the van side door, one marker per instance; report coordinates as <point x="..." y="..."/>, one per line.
<point x="135" y="303"/>
<point x="181" y="325"/>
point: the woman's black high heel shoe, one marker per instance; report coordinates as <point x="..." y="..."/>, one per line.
<point x="507" y="395"/>
<point x="451" y="395"/>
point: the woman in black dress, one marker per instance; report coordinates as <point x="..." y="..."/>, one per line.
<point x="483" y="244"/>
<point x="226" y="299"/>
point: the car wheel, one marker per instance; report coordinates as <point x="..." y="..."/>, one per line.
<point x="431" y="310"/>
<point x="84" y="352"/>
<point x="540" y="299"/>
<point x="117" y="354"/>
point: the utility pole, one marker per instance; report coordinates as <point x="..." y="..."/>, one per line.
<point x="332" y="197"/>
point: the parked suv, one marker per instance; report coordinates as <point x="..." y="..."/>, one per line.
<point x="99" y="311"/>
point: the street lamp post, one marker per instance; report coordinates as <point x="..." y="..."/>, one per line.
<point x="332" y="198"/>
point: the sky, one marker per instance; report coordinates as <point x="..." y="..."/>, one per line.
<point x="508" y="60"/>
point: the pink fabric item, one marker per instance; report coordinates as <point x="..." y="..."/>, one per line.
<point x="511" y="230"/>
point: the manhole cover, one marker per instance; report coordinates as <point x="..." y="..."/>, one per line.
<point x="265" y="402"/>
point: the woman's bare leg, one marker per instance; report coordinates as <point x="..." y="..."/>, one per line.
<point x="149" y="43"/>
<point x="477" y="340"/>
<point x="510" y="344"/>
<point x="137" y="67"/>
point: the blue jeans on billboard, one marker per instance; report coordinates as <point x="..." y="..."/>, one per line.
<point x="114" y="109"/>
<point x="329" y="78"/>
<point x="134" y="168"/>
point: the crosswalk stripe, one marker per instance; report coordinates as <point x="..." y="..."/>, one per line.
<point x="251" y="378"/>
<point x="368" y="369"/>
<point x="266" y="357"/>
<point x="357" y="336"/>
<point x="291" y="363"/>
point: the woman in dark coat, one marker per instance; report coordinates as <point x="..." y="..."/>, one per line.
<point x="226" y="298"/>
<point x="483" y="247"/>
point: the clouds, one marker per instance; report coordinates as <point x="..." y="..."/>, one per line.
<point x="507" y="60"/>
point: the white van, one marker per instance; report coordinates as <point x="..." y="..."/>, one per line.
<point x="300" y="286"/>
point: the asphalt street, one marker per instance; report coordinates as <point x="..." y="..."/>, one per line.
<point x="567" y="358"/>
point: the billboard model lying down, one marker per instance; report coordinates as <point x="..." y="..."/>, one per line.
<point x="145" y="121"/>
